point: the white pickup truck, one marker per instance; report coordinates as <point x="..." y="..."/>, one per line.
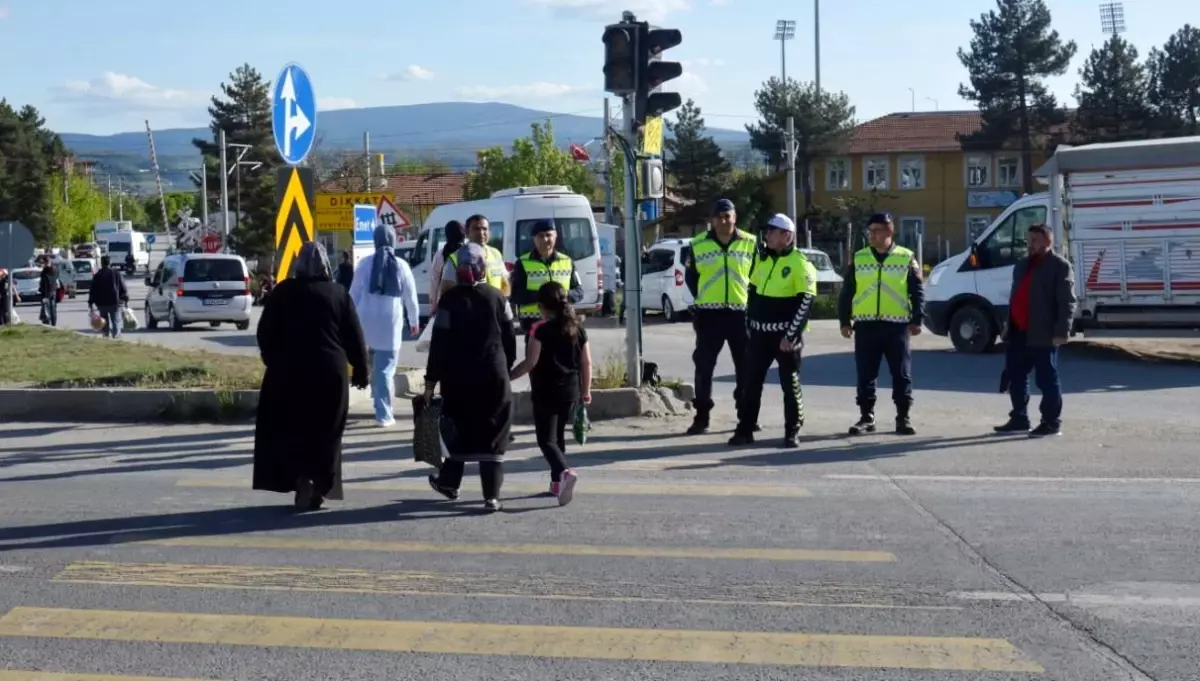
<point x="1126" y="214"/>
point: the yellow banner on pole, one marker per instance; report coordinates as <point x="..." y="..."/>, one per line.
<point x="652" y="136"/>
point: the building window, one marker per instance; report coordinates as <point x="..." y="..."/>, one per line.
<point x="911" y="232"/>
<point x="976" y="224"/>
<point x="1008" y="172"/>
<point x="837" y="174"/>
<point x="912" y="172"/>
<point x="978" y="172"/>
<point x="875" y="173"/>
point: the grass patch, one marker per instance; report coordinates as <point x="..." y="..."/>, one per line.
<point x="42" y="357"/>
<point x="609" y="374"/>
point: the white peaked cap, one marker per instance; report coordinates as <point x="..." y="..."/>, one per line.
<point x="781" y="221"/>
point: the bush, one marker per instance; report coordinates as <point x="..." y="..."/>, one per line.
<point x="824" y="307"/>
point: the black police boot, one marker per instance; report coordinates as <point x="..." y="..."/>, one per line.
<point x="904" y="425"/>
<point x="699" y="425"/>
<point x="791" y="438"/>
<point x="866" y="424"/>
<point x="741" y="438"/>
<point x="1014" y="425"/>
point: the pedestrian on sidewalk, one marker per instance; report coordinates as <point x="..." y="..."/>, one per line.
<point x="1041" y="307"/>
<point x="384" y="296"/>
<point x="782" y="289"/>
<point x="882" y="307"/>
<point x="559" y="363"/>
<point x="48" y="291"/>
<point x="108" y="295"/>
<point x="470" y="353"/>
<point x="718" y="277"/>
<point x="345" y="271"/>
<point x="307" y="336"/>
<point x="455" y="237"/>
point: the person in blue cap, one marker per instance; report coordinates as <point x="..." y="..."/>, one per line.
<point x="881" y="306"/>
<point x="718" y="277"/>
<point x="542" y="264"/>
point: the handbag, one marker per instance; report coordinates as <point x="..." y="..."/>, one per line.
<point x="428" y="445"/>
<point x="581" y="424"/>
<point x="129" y="321"/>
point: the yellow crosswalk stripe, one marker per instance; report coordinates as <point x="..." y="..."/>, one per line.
<point x="532" y="587"/>
<point x="18" y="675"/>
<point x="460" y="638"/>
<point x="590" y="487"/>
<point x="547" y="549"/>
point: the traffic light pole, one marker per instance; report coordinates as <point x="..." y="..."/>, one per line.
<point x="633" y="256"/>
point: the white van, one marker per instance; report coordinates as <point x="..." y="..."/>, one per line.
<point x="120" y="244"/>
<point x="511" y="214"/>
<point x="664" y="266"/>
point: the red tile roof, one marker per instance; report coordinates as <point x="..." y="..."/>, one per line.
<point x="423" y="189"/>
<point x="921" y="131"/>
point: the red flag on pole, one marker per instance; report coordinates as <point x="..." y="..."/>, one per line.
<point x="580" y="154"/>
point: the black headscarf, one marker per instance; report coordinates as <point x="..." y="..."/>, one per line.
<point x="454" y="239"/>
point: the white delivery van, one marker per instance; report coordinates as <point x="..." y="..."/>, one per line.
<point x="120" y="244"/>
<point x="511" y="214"/>
<point x="1127" y="216"/>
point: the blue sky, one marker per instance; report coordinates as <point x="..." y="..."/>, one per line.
<point x="106" y="67"/>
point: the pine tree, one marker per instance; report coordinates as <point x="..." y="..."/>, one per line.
<point x="694" y="162"/>
<point x="1174" y="75"/>
<point x="244" y="113"/>
<point x="1013" y="51"/>
<point x="1112" y="95"/>
<point x="24" y="147"/>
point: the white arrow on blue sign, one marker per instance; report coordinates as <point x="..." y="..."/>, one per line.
<point x="150" y="239"/>
<point x="364" y="224"/>
<point x="293" y="114"/>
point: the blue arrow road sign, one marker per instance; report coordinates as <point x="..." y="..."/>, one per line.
<point x="293" y="114"/>
<point x="150" y="239"/>
<point x="364" y="224"/>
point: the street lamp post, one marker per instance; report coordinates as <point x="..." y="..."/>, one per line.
<point x="785" y="30"/>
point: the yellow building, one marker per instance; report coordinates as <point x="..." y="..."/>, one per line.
<point x="923" y="177"/>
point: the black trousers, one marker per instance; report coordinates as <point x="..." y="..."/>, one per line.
<point x="550" y="419"/>
<point x="491" y="474"/>
<point x="763" y="351"/>
<point x="873" y="343"/>
<point x="715" y="328"/>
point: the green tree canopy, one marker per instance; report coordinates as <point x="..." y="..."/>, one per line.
<point x="243" y="111"/>
<point x="1174" y="75"/>
<point x="1013" y="50"/>
<point x="534" y="160"/>
<point x="176" y="201"/>
<point x="76" y="211"/>
<point x="1112" y="95"/>
<point x="695" y="167"/>
<point x="29" y="152"/>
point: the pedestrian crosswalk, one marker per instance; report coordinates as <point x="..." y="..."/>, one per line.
<point x="249" y="593"/>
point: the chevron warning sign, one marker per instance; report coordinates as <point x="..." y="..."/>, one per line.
<point x="294" y="219"/>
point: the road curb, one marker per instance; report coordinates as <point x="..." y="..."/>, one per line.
<point x="1115" y="351"/>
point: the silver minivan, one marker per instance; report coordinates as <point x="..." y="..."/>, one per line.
<point x="188" y="288"/>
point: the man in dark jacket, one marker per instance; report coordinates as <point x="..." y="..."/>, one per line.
<point x="108" y="295"/>
<point x="1041" y="307"/>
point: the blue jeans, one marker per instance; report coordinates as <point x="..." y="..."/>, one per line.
<point x="383" y="382"/>
<point x="50" y="307"/>
<point x="112" y="315"/>
<point x="1019" y="360"/>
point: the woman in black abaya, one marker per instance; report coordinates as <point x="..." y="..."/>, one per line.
<point x="307" y="335"/>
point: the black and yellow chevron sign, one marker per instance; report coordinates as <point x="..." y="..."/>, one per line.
<point x="294" y="217"/>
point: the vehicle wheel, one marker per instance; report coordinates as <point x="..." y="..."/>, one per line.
<point x="669" y="314"/>
<point x="241" y="326"/>
<point x="972" y="331"/>
<point x="173" y="319"/>
<point x="215" y="325"/>
<point x="151" y="322"/>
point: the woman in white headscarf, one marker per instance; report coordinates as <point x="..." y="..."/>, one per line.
<point x="384" y="295"/>
<point x="307" y="336"/>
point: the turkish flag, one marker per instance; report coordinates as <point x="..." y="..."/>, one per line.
<point x="579" y="154"/>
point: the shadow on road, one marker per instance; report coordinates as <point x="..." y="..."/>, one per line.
<point x="950" y="371"/>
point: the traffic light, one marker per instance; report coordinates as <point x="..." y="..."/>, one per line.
<point x="653" y="72"/>
<point x="620" y="59"/>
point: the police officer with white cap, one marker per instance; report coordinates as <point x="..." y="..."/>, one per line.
<point x="782" y="288"/>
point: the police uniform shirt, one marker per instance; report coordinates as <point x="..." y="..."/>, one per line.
<point x="916" y="290"/>
<point x="788" y="272"/>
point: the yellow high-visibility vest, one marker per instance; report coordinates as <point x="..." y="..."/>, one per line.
<point x="724" y="272"/>
<point x="784" y="277"/>
<point x="881" y="288"/>
<point x="538" y="273"/>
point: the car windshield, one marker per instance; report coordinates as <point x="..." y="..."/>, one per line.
<point x="118" y="247"/>
<point x="82" y="266"/>
<point x="213" y="269"/>
<point x="26" y="274"/>
<point x="819" y="260"/>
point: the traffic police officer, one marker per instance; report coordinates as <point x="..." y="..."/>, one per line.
<point x="782" y="288"/>
<point x="881" y="305"/>
<point x="718" y="278"/>
<point x="478" y="231"/>
<point x="542" y="264"/>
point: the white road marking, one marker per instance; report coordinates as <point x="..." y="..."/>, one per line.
<point x="1099" y="600"/>
<point x="1030" y="479"/>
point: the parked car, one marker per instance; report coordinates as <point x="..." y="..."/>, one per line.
<point x="663" y="267"/>
<point x="188" y="288"/>
<point x="828" y="280"/>
<point x="27" y="283"/>
<point x="85" y="269"/>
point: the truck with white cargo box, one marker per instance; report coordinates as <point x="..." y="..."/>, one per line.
<point x="1127" y="216"/>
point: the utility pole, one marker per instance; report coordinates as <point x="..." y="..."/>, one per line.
<point x="608" y="169"/>
<point x="224" y="185"/>
<point x="367" y="160"/>
<point x="110" y="196"/>
<point x="120" y="199"/>
<point x="204" y="196"/>
<point x="817" y="45"/>
<point x="633" y="257"/>
<point x="789" y="150"/>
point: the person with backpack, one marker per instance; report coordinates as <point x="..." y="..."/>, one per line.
<point x="558" y="360"/>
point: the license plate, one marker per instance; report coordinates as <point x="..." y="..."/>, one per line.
<point x="216" y="301"/>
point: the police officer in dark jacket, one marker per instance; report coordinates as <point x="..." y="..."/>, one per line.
<point x="782" y="288"/>
<point x="882" y="306"/>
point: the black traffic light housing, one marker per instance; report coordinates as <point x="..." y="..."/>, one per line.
<point x="621" y="58"/>
<point x="653" y="72"/>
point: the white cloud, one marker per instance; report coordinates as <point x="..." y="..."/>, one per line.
<point x="529" y="91"/>
<point x="610" y="10"/>
<point x="113" y="90"/>
<point x="689" y="85"/>
<point x="413" y="72"/>
<point x="334" y="103"/>
<point x="718" y="3"/>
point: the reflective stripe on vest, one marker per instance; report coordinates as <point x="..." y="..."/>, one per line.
<point x="724" y="274"/>
<point x="495" y="267"/>
<point x="785" y="277"/>
<point x="881" y="289"/>
<point x="538" y="273"/>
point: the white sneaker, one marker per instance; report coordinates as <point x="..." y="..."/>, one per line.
<point x="566" y="488"/>
<point x="386" y="423"/>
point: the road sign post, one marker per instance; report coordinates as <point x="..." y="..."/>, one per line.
<point x="294" y="114"/>
<point x="293" y="218"/>
<point x="211" y="243"/>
